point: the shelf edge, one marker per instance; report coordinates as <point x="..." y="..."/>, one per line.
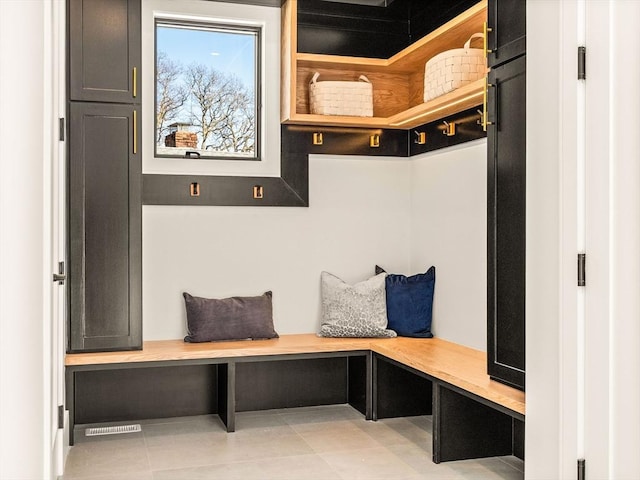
<point x="440" y="107"/>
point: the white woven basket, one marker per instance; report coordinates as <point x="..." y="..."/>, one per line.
<point x="453" y="69"/>
<point x="341" y="98"/>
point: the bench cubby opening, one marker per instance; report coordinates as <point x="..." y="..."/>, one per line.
<point x="465" y="425"/>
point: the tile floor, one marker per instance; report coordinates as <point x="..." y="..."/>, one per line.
<point x="323" y="443"/>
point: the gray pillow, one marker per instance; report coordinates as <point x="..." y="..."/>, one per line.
<point x="234" y="318"/>
<point x="358" y="310"/>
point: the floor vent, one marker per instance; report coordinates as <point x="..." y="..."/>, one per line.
<point x="92" y="432"/>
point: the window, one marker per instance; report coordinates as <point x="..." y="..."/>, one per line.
<point x="207" y="90"/>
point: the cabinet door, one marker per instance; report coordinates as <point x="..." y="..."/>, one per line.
<point x="104" y="50"/>
<point x="506" y="194"/>
<point x="508" y="37"/>
<point x="104" y="228"/>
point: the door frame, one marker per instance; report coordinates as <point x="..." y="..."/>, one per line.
<point x="55" y="107"/>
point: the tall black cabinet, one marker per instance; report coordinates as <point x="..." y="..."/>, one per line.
<point x="506" y="191"/>
<point x="104" y="176"/>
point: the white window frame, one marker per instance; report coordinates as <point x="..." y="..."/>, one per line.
<point x="266" y="18"/>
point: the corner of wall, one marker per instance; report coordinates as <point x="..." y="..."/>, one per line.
<point x="448" y="230"/>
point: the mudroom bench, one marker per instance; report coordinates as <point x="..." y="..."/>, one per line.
<point x="473" y="416"/>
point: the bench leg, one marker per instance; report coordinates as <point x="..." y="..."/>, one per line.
<point x="464" y="428"/>
<point x="369" y="385"/>
<point x="359" y="383"/>
<point x="227" y="395"/>
<point x="518" y="438"/>
<point x="374" y="387"/>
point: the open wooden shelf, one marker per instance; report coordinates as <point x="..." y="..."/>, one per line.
<point x="398" y="82"/>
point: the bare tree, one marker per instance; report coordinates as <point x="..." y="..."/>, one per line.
<point x="239" y="135"/>
<point x="207" y="92"/>
<point x="171" y="94"/>
<point x="222" y="110"/>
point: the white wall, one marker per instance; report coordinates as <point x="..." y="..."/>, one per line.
<point x="358" y="216"/>
<point x="449" y="230"/>
<point x="624" y="346"/>
<point x="544" y="248"/>
<point x="612" y="307"/>
<point x="24" y="432"/>
<point x="404" y="215"/>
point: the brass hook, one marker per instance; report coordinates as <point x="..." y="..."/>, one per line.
<point x="449" y="128"/>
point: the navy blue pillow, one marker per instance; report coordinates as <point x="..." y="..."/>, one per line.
<point x="410" y="303"/>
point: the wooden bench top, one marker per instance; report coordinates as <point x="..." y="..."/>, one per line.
<point x="166" y="350"/>
<point x="450" y="362"/>
<point x="455" y="364"/>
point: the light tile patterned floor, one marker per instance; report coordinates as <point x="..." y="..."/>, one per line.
<point x="314" y="443"/>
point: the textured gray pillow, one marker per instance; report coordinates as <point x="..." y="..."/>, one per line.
<point x="234" y="318"/>
<point x="358" y="310"/>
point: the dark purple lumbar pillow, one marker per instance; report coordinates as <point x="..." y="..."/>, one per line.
<point x="234" y="318"/>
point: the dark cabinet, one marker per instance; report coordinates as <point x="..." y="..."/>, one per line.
<point x="104" y="175"/>
<point x="105" y="211"/>
<point x="507" y="39"/>
<point x="104" y="50"/>
<point x="506" y="235"/>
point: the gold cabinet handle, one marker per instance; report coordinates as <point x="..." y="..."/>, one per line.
<point x="135" y="132"/>
<point x="135" y="81"/>
<point x="485" y="112"/>
<point x="485" y="30"/>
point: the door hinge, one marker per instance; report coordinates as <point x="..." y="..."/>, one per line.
<point x="582" y="274"/>
<point x="60" y="416"/>
<point x="582" y="63"/>
<point x="581" y="469"/>
<point x="60" y="277"/>
<point x="61" y="129"/>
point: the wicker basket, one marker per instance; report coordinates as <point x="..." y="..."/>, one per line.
<point x="453" y="69"/>
<point x="341" y="98"/>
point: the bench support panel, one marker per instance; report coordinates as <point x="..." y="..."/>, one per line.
<point x="464" y="428"/>
<point x="359" y="384"/>
<point x="69" y="383"/>
<point x="226" y="392"/>
<point x="518" y="438"/>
